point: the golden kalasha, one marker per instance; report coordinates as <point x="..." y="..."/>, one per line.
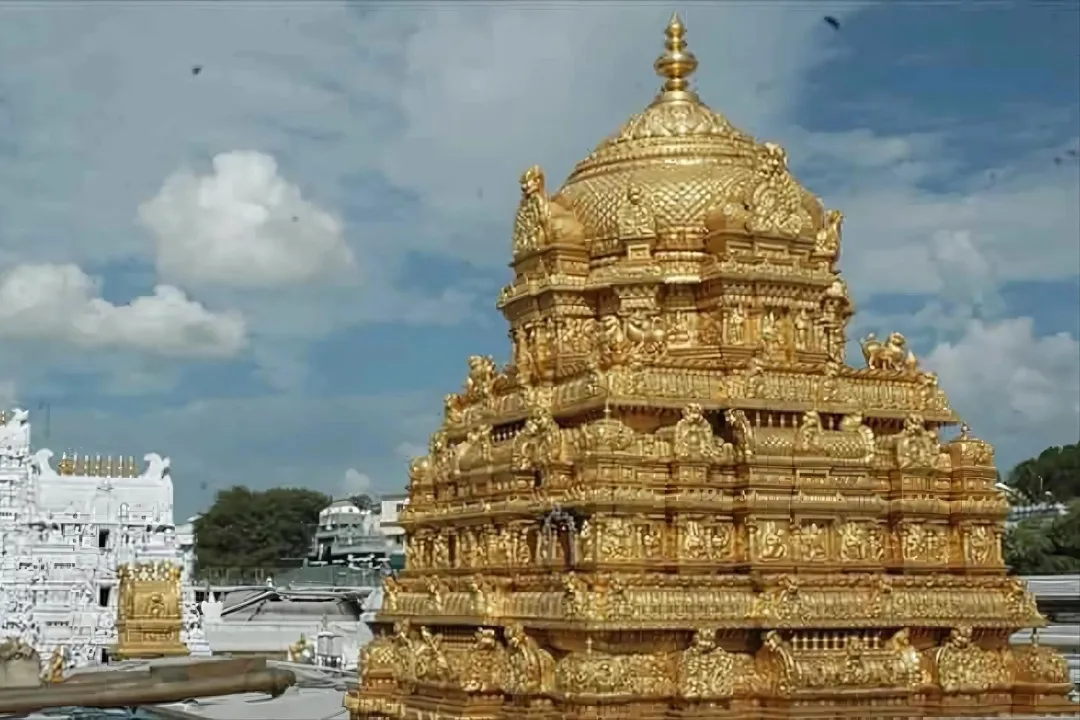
<point x="678" y="500"/>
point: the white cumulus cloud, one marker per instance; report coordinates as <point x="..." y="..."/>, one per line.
<point x="355" y="483"/>
<point x="62" y="303"/>
<point x="1006" y="380"/>
<point x="966" y="274"/>
<point x="243" y="225"/>
<point x="900" y="237"/>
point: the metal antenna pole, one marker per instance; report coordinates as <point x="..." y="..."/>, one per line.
<point x="47" y="407"/>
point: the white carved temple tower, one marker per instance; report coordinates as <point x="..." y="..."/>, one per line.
<point x="63" y="533"/>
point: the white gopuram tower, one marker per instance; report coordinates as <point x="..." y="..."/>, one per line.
<point x="63" y="533"/>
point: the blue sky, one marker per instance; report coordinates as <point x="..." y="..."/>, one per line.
<point x="274" y="268"/>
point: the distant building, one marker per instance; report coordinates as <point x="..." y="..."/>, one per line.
<point x="1035" y="511"/>
<point x="390" y="507"/>
<point x="1024" y="509"/>
<point x="350" y="533"/>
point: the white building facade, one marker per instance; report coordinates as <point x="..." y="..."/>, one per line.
<point x="390" y="509"/>
<point x="64" y="530"/>
<point x="368" y="535"/>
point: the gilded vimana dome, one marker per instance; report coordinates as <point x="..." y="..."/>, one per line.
<point x="697" y="170"/>
<point x="678" y="499"/>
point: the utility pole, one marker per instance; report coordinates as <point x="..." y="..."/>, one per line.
<point x="47" y="407"/>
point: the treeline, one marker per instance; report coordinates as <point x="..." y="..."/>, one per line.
<point x="1054" y="474"/>
<point x="1047" y="546"/>
<point x="247" y="528"/>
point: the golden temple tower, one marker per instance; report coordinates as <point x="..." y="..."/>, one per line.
<point x="678" y="500"/>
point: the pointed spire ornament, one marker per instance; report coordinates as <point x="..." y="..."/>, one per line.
<point x="677" y="63"/>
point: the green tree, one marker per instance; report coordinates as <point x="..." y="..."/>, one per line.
<point x="247" y="528"/>
<point x="1054" y="473"/>
<point x="1045" y="546"/>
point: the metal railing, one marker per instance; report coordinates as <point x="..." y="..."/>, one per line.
<point x="236" y="575"/>
<point x="336" y="575"/>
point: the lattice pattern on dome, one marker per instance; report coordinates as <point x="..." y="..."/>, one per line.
<point x="679" y="196"/>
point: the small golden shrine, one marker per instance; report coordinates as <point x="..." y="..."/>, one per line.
<point x="149" y="617"/>
<point x="678" y="500"/>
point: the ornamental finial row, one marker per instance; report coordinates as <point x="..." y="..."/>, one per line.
<point x="97" y="466"/>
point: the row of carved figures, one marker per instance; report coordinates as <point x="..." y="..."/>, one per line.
<point x="566" y="542"/>
<point x="616" y="340"/>
<point x="517" y="664"/>
<point x="638" y="334"/>
<point x="541" y="443"/>
<point x="754" y="379"/>
<point x="647" y="600"/>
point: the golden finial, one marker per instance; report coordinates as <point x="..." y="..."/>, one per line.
<point x="677" y="63"/>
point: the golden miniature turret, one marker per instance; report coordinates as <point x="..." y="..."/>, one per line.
<point x="678" y="499"/>
<point x="149" y="611"/>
